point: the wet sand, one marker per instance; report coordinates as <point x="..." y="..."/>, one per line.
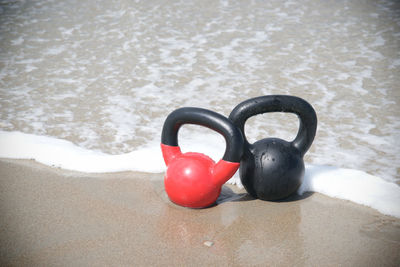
<point x="53" y="217"/>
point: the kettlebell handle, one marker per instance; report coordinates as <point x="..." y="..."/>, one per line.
<point x="280" y="103"/>
<point x="212" y="120"/>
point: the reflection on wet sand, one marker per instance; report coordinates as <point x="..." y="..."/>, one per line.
<point x="242" y="230"/>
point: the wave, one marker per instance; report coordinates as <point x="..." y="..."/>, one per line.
<point x="349" y="184"/>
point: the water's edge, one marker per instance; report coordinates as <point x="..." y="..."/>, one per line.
<point x="354" y="185"/>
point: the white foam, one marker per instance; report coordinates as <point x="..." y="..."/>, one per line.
<point x="54" y="50"/>
<point x="353" y="185"/>
<point x="64" y="154"/>
<point x="379" y="41"/>
<point x="20" y="40"/>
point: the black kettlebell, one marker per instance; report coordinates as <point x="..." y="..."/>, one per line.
<point x="272" y="168"/>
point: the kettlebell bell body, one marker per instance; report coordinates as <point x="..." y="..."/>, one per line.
<point x="272" y="168"/>
<point x="193" y="179"/>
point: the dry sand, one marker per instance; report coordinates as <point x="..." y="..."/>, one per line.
<point x="52" y="217"/>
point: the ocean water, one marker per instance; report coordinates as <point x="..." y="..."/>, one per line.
<point x="87" y="85"/>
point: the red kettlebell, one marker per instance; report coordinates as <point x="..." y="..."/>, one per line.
<point x="192" y="179"/>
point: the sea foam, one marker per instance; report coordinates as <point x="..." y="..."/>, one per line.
<point x="348" y="184"/>
<point x="64" y="154"/>
<point x="108" y="78"/>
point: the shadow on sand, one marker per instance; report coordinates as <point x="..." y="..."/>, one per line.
<point x="228" y="195"/>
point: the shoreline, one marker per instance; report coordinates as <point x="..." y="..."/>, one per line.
<point x="57" y="217"/>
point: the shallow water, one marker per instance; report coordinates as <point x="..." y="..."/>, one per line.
<point x="105" y="75"/>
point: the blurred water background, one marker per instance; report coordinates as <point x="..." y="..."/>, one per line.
<point x="105" y="74"/>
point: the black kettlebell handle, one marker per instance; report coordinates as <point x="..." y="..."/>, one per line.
<point x="280" y="103"/>
<point x="212" y="120"/>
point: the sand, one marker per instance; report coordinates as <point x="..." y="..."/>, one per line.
<point x="53" y="217"/>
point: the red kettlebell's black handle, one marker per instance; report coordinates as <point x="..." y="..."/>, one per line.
<point x="280" y="103"/>
<point x="209" y="119"/>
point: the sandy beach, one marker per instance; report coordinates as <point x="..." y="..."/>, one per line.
<point x="87" y="85"/>
<point x="54" y="217"/>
